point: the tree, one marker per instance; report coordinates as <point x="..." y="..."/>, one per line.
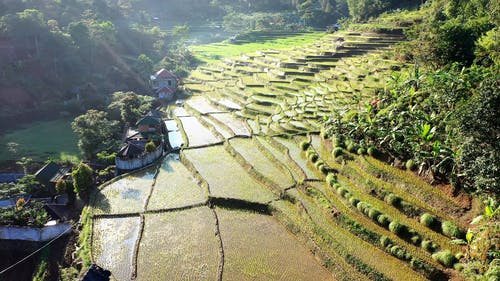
<point x="95" y="132"/>
<point x="129" y="105"/>
<point x="82" y="180"/>
<point x="144" y="66"/>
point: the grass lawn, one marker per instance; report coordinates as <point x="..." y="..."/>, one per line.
<point x="211" y="53"/>
<point x="40" y="141"/>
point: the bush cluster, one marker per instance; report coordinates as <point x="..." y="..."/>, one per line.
<point x="451" y="230"/>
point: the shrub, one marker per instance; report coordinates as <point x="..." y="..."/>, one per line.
<point x="304" y="145"/>
<point x="337" y="151"/>
<point x="374" y="214"/>
<point x="341" y="191"/>
<point x="319" y="163"/>
<point x="415" y="239"/>
<point x="323" y="169"/>
<point x="384" y="220"/>
<point x="451" y="230"/>
<point x="337" y="141"/>
<point x="361" y="151"/>
<point x="314" y="157"/>
<point x="331" y="179"/>
<point x="393" y="199"/>
<point x="396" y="227"/>
<point x="429" y="246"/>
<point x="351" y="147"/>
<point x="106" y="158"/>
<point x="445" y="258"/>
<point x="372" y="151"/>
<point x="385" y="241"/>
<point x="427" y="219"/>
<point x="361" y="206"/>
<point x="310" y="152"/>
<point x="336" y="186"/>
<point x="398" y="252"/>
<point x="353" y="201"/>
<point x="411" y="165"/>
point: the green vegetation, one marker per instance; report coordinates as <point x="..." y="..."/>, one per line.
<point x="216" y="52"/>
<point x="41" y="140"/>
<point x="32" y="214"/>
<point x="83" y="180"/>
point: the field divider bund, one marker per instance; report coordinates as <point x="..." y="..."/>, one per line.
<point x="136" y="248"/>
<point x="196" y="174"/>
<point x="220" y="266"/>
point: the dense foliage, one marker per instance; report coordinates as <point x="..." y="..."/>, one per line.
<point x="31" y="214"/>
<point x="82" y="180"/>
<point x="442" y="116"/>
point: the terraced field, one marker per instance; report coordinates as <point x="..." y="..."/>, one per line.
<point x="256" y="194"/>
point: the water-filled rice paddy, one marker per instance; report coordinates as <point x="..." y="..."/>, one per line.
<point x="225" y="176"/>
<point x="238" y="126"/>
<point x="127" y="195"/>
<point x="175" y="186"/>
<point x="179" y="246"/>
<point x="197" y="134"/>
<point x="261" y="163"/>
<point x="221" y="129"/>
<point x="200" y="104"/>
<point x="113" y="244"/>
<point x="257" y="247"/>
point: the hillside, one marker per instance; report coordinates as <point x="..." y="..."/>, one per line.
<point x="243" y="127"/>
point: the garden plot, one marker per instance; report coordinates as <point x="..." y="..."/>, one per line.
<point x="197" y="134"/>
<point x="200" y="104"/>
<point x="113" y="245"/>
<point x="261" y="163"/>
<point x="179" y="246"/>
<point x="256" y="247"/>
<point x="238" y="126"/>
<point x="127" y="195"/>
<point x="175" y="186"/>
<point x="225" y="176"/>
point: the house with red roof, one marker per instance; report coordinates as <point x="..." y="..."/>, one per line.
<point x="164" y="84"/>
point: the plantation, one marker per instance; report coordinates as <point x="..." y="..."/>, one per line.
<point x="300" y="150"/>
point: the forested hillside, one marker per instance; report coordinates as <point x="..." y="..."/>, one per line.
<point x="70" y="55"/>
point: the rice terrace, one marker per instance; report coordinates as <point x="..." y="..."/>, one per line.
<point x="260" y="192"/>
<point x="227" y="140"/>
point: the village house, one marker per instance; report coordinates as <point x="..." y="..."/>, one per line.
<point x="49" y="174"/>
<point x="164" y="84"/>
<point x="133" y="154"/>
